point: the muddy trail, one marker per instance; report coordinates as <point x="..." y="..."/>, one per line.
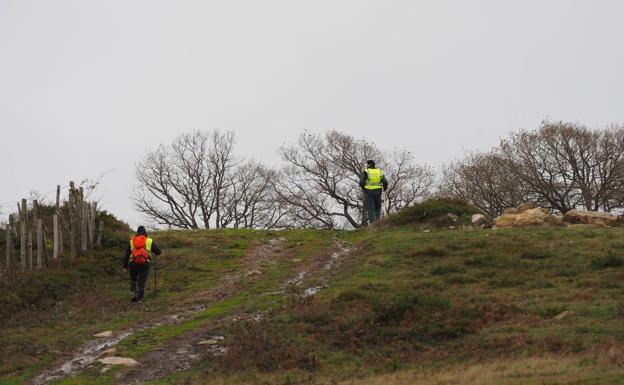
<point x="182" y="351"/>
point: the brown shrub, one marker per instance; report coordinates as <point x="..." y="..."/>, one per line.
<point x="262" y="346"/>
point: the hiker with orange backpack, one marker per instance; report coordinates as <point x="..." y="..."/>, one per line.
<point x="137" y="261"/>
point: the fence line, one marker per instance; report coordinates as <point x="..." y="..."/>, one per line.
<point x="75" y="218"/>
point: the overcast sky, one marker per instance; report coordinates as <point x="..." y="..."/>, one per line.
<point x="88" y="86"/>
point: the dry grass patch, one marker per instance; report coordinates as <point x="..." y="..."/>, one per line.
<point x="537" y="370"/>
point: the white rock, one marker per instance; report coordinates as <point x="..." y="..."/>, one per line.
<point x="479" y="220"/>
<point x="211" y="341"/>
<point x="118" y="361"/>
<point x="105" y="334"/>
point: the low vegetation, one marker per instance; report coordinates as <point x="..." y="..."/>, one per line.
<point x="470" y="306"/>
<point x="436" y="212"/>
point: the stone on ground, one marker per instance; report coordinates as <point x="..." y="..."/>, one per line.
<point x="564" y="315"/>
<point x="109" y="351"/>
<point x="479" y="220"/>
<point x="590" y="217"/>
<point x="530" y="217"/>
<point x="118" y="361"/>
<point x="527" y="214"/>
<point x="105" y="334"/>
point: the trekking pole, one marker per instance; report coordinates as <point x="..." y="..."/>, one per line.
<point x="155" y="276"/>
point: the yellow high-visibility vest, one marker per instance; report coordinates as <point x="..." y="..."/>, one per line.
<point x="375" y="176"/>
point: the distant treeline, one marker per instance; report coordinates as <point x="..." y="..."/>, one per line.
<point x="560" y="166"/>
<point x="198" y="182"/>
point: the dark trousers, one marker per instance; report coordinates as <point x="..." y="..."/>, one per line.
<point x="372" y="202"/>
<point x="138" y="274"/>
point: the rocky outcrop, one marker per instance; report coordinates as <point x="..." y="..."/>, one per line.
<point x="590" y="217"/>
<point x="527" y="215"/>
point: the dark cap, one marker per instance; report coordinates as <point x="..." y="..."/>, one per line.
<point x="370" y="163"/>
<point x="141" y="230"/>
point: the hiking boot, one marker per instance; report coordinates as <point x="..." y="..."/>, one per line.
<point x="135" y="299"/>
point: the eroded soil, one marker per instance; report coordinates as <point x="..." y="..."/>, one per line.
<point x="182" y="351"/>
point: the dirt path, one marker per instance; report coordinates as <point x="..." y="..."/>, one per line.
<point x="181" y="352"/>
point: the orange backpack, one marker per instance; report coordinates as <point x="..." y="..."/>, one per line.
<point x="139" y="252"/>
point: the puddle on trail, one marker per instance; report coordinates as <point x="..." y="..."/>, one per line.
<point x="83" y="358"/>
<point x="334" y="260"/>
<point x="93" y="350"/>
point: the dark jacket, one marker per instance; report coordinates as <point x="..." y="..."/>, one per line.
<point x="155" y="250"/>
<point x="364" y="178"/>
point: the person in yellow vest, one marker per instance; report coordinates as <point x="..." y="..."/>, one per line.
<point x="373" y="182"/>
<point x="137" y="260"/>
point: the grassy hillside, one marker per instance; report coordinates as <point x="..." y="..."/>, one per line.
<point x="392" y="305"/>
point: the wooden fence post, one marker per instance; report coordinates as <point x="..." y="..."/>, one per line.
<point x="30" y="250"/>
<point x="84" y="231"/>
<point x="71" y="222"/>
<point x="46" y="258"/>
<point x="60" y="240"/>
<point x="72" y="239"/>
<point x="39" y="243"/>
<point x="92" y="223"/>
<point x="13" y="237"/>
<point x="9" y="247"/>
<point x="23" y="221"/>
<point x="23" y="244"/>
<point x="55" y="225"/>
<point x="100" y="232"/>
<point x="87" y="214"/>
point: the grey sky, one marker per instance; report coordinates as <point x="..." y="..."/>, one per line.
<point x="87" y="86"/>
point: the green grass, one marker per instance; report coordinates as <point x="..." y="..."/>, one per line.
<point x="404" y="297"/>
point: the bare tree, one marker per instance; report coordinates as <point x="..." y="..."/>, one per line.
<point x="610" y="169"/>
<point x="250" y="201"/>
<point x="537" y="161"/>
<point x="484" y="180"/>
<point x="183" y="185"/>
<point x="560" y="166"/>
<point x="409" y="183"/>
<point x="221" y="162"/>
<point x="192" y="173"/>
<point x="595" y="158"/>
<point x="320" y="187"/>
<point x="162" y="194"/>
